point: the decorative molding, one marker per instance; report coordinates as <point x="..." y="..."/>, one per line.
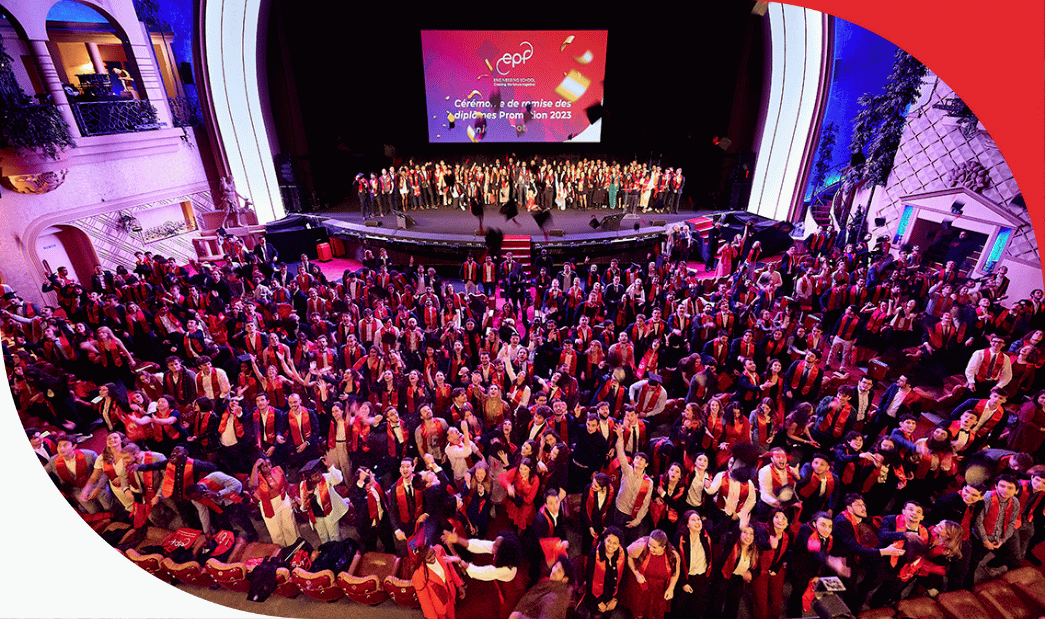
<point x="970" y="174"/>
<point x="39" y="183"/>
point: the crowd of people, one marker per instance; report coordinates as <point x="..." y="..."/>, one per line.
<point x="617" y="439"/>
<point x="535" y="186"/>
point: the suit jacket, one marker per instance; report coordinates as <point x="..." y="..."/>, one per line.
<point x="436" y="594"/>
<point x="266" y="252"/>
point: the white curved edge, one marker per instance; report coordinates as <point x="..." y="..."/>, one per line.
<point x="230" y="35"/>
<point x="796" y="43"/>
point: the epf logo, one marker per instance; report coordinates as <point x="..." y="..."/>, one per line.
<point x="510" y="60"/>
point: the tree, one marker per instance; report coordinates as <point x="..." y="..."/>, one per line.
<point x="878" y="127"/>
<point x="824" y="155"/>
<point x="26" y="126"/>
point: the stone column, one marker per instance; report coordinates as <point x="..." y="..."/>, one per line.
<point x="49" y="75"/>
<point x="96" y="58"/>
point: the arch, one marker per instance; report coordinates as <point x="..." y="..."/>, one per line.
<point x="72" y="248"/>
<point x="12" y="19"/>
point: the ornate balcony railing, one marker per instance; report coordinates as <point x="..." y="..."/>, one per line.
<point x="185" y="111"/>
<point x="109" y="117"/>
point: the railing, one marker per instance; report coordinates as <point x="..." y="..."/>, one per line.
<point x="109" y="117"/>
<point x="185" y="111"/>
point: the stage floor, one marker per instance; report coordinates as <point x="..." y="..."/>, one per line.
<point x="447" y="221"/>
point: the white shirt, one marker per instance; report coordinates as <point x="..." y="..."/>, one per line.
<point x="698" y="562"/>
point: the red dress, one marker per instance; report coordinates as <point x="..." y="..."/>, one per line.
<point x="647" y="600"/>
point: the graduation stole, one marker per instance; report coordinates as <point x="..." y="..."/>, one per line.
<point x="216" y="487"/>
<point x="268" y="428"/>
<point x="990" y="519"/>
<point x="236" y="423"/>
<point x="649" y="361"/>
<point x="324" y="498"/>
<point x="158" y="430"/>
<point x="590" y="503"/>
<point x="169" y="473"/>
<point x="300" y="426"/>
<point x="212" y="377"/>
<point x="267" y="489"/>
<point x="391" y="435"/>
<point x="763" y="431"/>
<point x="813" y="485"/>
<point x="79" y="479"/>
<point x="640" y="498"/>
<point x="598" y="579"/>
<point x="404" y="506"/>
<point x="332" y="431"/>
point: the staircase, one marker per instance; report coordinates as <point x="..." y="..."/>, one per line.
<point x="701" y="225"/>
<point x="519" y="246"/>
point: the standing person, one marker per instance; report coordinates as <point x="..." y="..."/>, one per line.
<point x="370" y="507"/>
<point x="636" y="490"/>
<point x="693" y="591"/>
<point x="319" y="500"/>
<point x="73" y="468"/>
<point x="995" y="527"/>
<point x="655" y="565"/>
<point x="737" y="570"/>
<point x="270" y="487"/>
<point x="503" y="569"/>
<point x="605" y="568"/>
<point x="773" y="539"/>
<point x="437" y="582"/>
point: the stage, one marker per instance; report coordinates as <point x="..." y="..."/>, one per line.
<point x="461" y="226"/>
<point x="444" y="237"/>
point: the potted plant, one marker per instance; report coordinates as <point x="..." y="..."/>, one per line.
<point x="33" y="136"/>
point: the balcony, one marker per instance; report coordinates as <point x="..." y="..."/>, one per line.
<point x="110" y="117"/>
<point x="185" y="111"/>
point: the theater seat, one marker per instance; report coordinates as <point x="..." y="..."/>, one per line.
<point x="1002" y="600"/>
<point x="364" y="580"/>
<point x="1029" y="583"/>
<point x="256" y="551"/>
<point x="962" y="604"/>
<point x="878" y="613"/>
<point x="400" y="586"/>
<point x="320" y="585"/>
<point x="923" y="608"/>
<point x="190" y="572"/>
<point x="150" y="562"/>
<point x="231" y="576"/>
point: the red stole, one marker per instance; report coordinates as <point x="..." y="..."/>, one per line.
<point x="168" y="479"/>
<point x="640" y="498"/>
<point x="404" y="507"/>
<point x="648" y="397"/>
<point x="332" y="431"/>
<point x="300" y="426"/>
<point x="77" y="478"/>
<point x="990" y="518"/>
<point x="236" y="423"/>
<point x="267" y="491"/>
<point x="216" y="487"/>
<point x="212" y="378"/>
<point x="598" y="578"/>
<point x="392" y="442"/>
<point x="324" y="498"/>
<point x="266" y="430"/>
<point x="990" y="366"/>
<point x="813" y="486"/>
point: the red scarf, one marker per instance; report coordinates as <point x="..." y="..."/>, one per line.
<point x="640" y="498"/>
<point x="598" y="578"/>
<point x="990" y="518"/>
<point x="332" y="432"/>
<point x="404" y="507"/>
<point x="168" y="479"/>
<point x="236" y="423"/>
<point x="267" y="430"/>
<point x="324" y="498"/>
<point x="266" y="491"/>
<point x="813" y="486"/>
<point x="79" y="479"/>
<point x="300" y="426"/>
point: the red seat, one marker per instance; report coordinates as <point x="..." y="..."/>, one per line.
<point x="322" y="586"/>
<point x="923" y="608"/>
<point x="337" y="246"/>
<point x="1029" y="583"/>
<point x="150" y="562"/>
<point x="400" y="587"/>
<point x="325" y="255"/>
<point x="364" y="580"/>
<point x="878" y="613"/>
<point x="190" y="572"/>
<point x="231" y="576"/>
<point x="1002" y="600"/>
<point x="962" y="604"/>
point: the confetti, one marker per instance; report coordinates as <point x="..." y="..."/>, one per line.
<point x="447" y="98"/>
<point x="487" y="61"/>
<point x="482" y="76"/>
<point x="573" y="86"/>
<point x="471" y="134"/>
<point x="585" y="58"/>
<point x="474" y="93"/>
<point x="568" y="40"/>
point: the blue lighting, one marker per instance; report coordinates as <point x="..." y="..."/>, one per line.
<point x="1000" y="242"/>
<point x="905" y="219"/>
